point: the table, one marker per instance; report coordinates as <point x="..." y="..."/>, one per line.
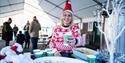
<point x="57" y="59"/>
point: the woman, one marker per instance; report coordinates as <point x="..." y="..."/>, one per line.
<point x="67" y="27"/>
<point x="27" y="36"/>
<point x="15" y="30"/>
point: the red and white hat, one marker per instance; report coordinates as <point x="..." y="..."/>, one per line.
<point x="16" y="47"/>
<point x="68" y="6"/>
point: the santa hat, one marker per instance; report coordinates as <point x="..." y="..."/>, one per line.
<point x="16" y="47"/>
<point x="68" y="6"/>
<point x="13" y="48"/>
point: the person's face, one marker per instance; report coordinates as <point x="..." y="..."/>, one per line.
<point x="10" y="21"/>
<point x="67" y="18"/>
<point x="34" y="18"/>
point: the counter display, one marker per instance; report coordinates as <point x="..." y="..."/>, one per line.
<point x="58" y="60"/>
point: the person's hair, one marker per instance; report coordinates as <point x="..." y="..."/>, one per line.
<point x="20" y="32"/>
<point x="10" y="19"/>
<point x="35" y="19"/>
<point x="14" y="24"/>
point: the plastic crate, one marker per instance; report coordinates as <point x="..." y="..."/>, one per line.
<point x="83" y="56"/>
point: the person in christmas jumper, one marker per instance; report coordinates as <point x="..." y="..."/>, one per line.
<point x="67" y="27"/>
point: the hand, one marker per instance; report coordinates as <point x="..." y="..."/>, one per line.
<point x="57" y="53"/>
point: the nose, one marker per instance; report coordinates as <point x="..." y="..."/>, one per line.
<point x="67" y="17"/>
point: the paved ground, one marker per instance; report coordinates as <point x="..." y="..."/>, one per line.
<point x="2" y="44"/>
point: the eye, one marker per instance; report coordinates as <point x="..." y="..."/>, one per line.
<point x="64" y="15"/>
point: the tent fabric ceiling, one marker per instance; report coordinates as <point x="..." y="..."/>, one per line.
<point x="81" y="8"/>
<point x="11" y="7"/>
<point x="4" y="3"/>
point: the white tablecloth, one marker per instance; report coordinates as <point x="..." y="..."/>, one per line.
<point x="56" y="59"/>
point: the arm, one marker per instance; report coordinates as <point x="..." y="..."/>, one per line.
<point x="30" y="27"/>
<point x="51" y="45"/>
<point x="8" y="28"/>
<point x="52" y="40"/>
<point x="24" y="38"/>
<point x="17" y="29"/>
<point x="17" y="40"/>
<point x="24" y="27"/>
<point x="77" y="35"/>
<point x="40" y="26"/>
<point x="4" y="27"/>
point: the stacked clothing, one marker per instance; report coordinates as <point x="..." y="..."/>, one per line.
<point x="11" y="54"/>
